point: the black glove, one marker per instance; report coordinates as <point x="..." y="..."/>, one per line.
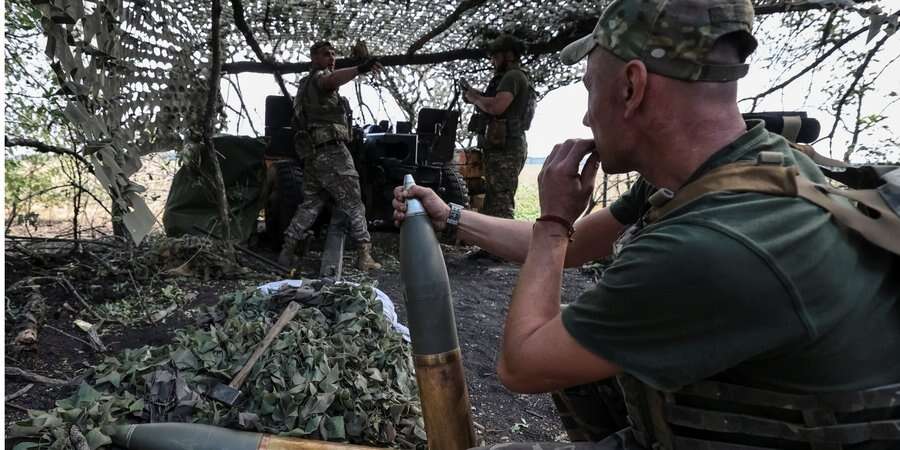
<point x="464" y="85"/>
<point x="367" y="65"/>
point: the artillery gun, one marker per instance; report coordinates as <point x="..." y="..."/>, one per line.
<point x="382" y="154"/>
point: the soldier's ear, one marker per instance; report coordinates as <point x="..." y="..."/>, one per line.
<point x="635" y="84"/>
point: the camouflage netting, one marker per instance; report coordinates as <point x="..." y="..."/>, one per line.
<point x="338" y="371"/>
<point x="134" y="71"/>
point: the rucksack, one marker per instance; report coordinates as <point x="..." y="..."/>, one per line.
<point x="530" y="104"/>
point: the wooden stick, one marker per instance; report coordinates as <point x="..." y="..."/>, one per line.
<point x="281" y="269"/>
<point x="51" y="327"/>
<point x="31" y="376"/>
<point x="50" y="239"/>
<point x="78" y="296"/>
<point x="20" y="408"/>
<point x="286" y="316"/>
<point x="19" y="393"/>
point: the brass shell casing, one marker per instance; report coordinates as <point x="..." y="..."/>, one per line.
<point x="192" y="436"/>
<point x="270" y="442"/>
<point x="445" y="401"/>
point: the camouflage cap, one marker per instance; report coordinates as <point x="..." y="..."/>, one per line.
<point x="671" y="37"/>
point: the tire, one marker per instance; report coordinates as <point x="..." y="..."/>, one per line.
<point x="453" y="187"/>
<point x="286" y="196"/>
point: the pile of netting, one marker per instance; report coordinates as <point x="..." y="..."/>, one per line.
<point x="338" y="371"/>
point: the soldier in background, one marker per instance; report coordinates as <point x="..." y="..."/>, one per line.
<point x="503" y="114"/>
<point x="321" y="140"/>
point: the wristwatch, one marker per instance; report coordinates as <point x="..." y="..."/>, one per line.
<point x="452" y="223"/>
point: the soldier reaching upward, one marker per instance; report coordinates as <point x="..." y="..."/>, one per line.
<point x="321" y="140"/>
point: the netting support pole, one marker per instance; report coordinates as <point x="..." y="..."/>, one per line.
<point x="215" y="73"/>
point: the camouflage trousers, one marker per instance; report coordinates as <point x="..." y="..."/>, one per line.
<point x="502" y="166"/>
<point x="622" y="440"/>
<point x="330" y="176"/>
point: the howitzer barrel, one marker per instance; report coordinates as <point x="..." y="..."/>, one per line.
<point x="191" y="436"/>
<point x="437" y="357"/>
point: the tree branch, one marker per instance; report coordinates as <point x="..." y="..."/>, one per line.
<point x="385" y="60"/>
<point x="808" y="68"/>
<point x="16" y="372"/>
<point x="577" y="28"/>
<point x="241" y="23"/>
<point x="793" y="6"/>
<point x="236" y="84"/>
<point x="215" y="72"/>
<point x="857" y="76"/>
<point x="408" y="107"/>
<point x="46" y="148"/>
<point x="464" y="6"/>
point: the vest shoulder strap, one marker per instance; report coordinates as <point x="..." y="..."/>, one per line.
<point x="879" y="224"/>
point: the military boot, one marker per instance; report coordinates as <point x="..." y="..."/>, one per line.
<point x="288" y="255"/>
<point x="364" y="261"/>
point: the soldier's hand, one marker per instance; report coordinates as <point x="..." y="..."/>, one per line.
<point x="464" y="84"/>
<point x="369" y="65"/>
<point x="562" y="190"/>
<point x="437" y="210"/>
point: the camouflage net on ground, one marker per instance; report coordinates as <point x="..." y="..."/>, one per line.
<point x="338" y="371"/>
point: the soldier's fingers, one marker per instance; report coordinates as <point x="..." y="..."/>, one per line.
<point x="398" y="217"/>
<point x="399" y="205"/>
<point x="419" y="192"/>
<point x="399" y="193"/>
<point x="548" y="161"/>
<point x="576" y="152"/>
<point x="589" y="172"/>
<point x="553" y="154"/>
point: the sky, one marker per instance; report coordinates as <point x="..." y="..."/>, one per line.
<point x="559" y="113"/>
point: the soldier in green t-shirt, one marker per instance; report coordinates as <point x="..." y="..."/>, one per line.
<point x="500" y="122"/>
<point x="738" y="321"/>
<point x="321" y="140"/>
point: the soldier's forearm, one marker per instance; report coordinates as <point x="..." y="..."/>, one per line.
<point x="338" y="78"/>
<point x="509" y="239"/>
<point x="486" y="104"/>
<point x="505" y="238"/>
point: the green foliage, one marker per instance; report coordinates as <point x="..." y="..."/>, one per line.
<point x="338" y="371"/>
<point x="31" y="180"/>
<point x="528" y="205"/>
<point x="30" y="110"/>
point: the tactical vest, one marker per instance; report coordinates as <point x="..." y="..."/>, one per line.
<point x="713" y="415"/>
<point x="515" y="125"/>
<point x="322" y="115"/>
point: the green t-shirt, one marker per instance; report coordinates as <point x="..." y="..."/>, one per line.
<point x="516" y="83"/>
<point x="754" y="289"/>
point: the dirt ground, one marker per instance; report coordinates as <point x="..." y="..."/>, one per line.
<point x="481" y="290"/>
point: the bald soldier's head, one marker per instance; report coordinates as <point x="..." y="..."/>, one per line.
<point x="662" y="82"/>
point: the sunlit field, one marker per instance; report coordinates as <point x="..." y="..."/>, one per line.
<point x="527" y="204"/>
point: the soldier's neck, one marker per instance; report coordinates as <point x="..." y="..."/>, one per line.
<point x="675" y="153"/>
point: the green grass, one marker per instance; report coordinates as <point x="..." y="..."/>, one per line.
<point x="528" y="205"/>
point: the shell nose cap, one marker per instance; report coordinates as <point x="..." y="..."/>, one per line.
<point x="413" y="205"/>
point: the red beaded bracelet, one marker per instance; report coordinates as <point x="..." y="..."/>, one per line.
<point x="556" y="219"/>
